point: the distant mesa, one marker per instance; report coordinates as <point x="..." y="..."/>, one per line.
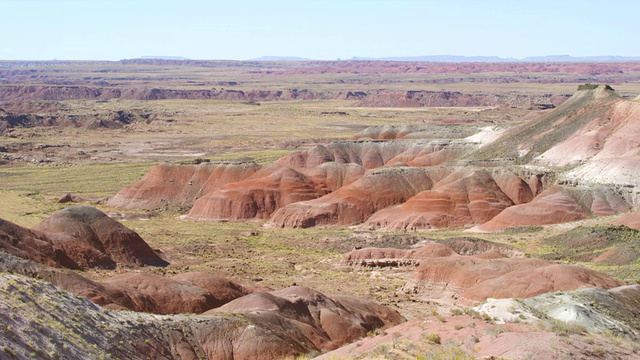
<point x="440" y="58"/>
<point x="30" y="118"/>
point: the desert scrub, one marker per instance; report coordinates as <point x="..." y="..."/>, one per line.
<point x="523" y="229"/>
<point x="451" y="353"/>
<point x="565" y="328"/>
<point x="433" y="338"/>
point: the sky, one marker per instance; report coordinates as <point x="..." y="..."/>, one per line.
<point x="323" y="30"/>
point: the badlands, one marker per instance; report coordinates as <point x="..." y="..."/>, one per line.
<point x="375" y="210"/>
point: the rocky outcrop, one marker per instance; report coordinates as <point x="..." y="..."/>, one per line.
<point x="392" y="257"/>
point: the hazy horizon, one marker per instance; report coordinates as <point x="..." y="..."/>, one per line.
<point x="319" y="30"/>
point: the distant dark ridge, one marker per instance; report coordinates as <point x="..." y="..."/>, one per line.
<point x="165" y="57"/>
<point x="281" y="58"/>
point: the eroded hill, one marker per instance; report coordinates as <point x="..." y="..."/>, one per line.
<point x="570" y="163"/>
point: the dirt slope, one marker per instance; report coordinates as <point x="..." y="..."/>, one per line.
<point x="179" y="185"/>
<point x="257" y="197"/>
<point x="560" y="204"/>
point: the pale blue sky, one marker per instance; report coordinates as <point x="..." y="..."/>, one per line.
<point x="244" y="29"/>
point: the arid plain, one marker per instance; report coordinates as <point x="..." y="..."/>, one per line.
<point x="349" y="209"/>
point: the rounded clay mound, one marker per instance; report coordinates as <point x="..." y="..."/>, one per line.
<point x="95" y="233"/>
<point x="32" y="245"/>
<point x="355" y="202"/>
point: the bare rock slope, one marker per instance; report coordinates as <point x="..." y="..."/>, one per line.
<point x="179" y="185"/>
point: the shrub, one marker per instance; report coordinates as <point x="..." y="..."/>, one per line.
<point x="434" y="338"/>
